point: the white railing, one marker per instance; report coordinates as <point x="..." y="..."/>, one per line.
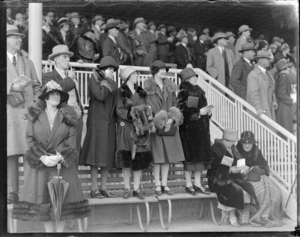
<point x="277" y="144"/>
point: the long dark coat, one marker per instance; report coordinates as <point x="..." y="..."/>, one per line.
<point x="228" y="187"/>
<point x="194" y="132"/>
<point x="110" y="48"/>
<point x="284" y="112"/>
<point x="100" y="142"/>
<point x="125" y="101"/>
<point x="35" y="203"/>
<point x="182" y="56"/>
<point x="165" y="149"/>
<point x="200" y="55"/>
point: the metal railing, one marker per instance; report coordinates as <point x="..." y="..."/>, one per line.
<point x="278" y="145"/>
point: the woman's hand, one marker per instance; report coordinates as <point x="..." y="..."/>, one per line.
<point x="168" y="125"/>
<point x="51" y="161"/>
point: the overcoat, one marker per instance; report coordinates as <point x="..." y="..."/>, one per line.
<point x="110" y="48"/>
<point x="238" y="44"/>
<point x="194" y="132"/>
<point x="16" y="120"/>
<point x="165" y="149"/>
<point x="239" y="75"/>
<point x="200" y="55"/>
<point x="100" y="141"/>
<point x="182" y="56"/>
<point x="260" y="91"/>
<point x="162" y="47"/>
<point x="284" y="112"/>
<point x="35" y="203"/>
<point x="215" y="64"/>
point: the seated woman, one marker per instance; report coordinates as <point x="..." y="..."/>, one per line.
<point x="267" y="193"/>
<point x="224" y="179"/>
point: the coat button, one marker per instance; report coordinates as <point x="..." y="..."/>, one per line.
<point x="122" y="124"/>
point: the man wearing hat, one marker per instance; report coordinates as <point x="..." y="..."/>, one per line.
<point x="261" y="86"/>
<point x="200" y="52"/>
<point x="141" y="43"/>
<point x="75" y="25"/>
<point x="241" y="70"/>
<point x="220" y="60"/>
<point x="125" y="43"/>
<point x="23" y="89"/>
<point x="110" y="46"/>
<point x="162" y="43"/>
<point x="67" y="79"/>
<point x="230" y="41"/>
<point x="152" y="38"/>
<point x="97" y="22"/>
<point x="244" y="32"/>
<point x="182" y="54"/>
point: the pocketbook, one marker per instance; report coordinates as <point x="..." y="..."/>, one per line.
<point x="15" y="98"/>
<point x="171" y="132"/>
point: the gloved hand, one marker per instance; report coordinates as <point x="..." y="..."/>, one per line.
<point x="51" y="161"/>
<point x="168" y="125"/>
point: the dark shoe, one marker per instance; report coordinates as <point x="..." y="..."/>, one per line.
<point x="96" y="194"/>
<point x="126" y="193"/>
<point x="107" y="193"/>
<point x="158" y="191"/>
<point x="190" y="190"/>
<point x="166" y="190"/>
<point x="201" y="190"/>
<point x="139" y="194"/>
<point x="12" y="198"/>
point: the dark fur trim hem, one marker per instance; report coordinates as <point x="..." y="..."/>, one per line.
<point x="142" y="160"/>
<point x="123" y="159"/>
<point x="69" y="114"/>
<point x="75" y="210"/>
<point x="175" y="113"/>
<point x="31" y="212"/>
<point x="34" y="154"/>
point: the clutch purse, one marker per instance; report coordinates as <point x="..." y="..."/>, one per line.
<point x="15" y="98"/>
<point x="192" y="101"/>
<point x="171" y="132"/>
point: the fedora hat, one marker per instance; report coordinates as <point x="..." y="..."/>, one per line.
<point x="218" y="35"/>
<point x="161" y="26"/>
<point x="108" y="61"/>
<point x="247" y="137"/>
<point x="243" y="28"/>
<point x="97" y="18"/>
<point x="247" y="46"/>
<point x="13" y="30"/>
<point x="125" y="72"/>
<point x="53" y="86"/>
<point x="59" y="50"/>
<point x="281" y="65"/>
<point x="138" y="20"/>
<point x="262" y="54"/>
<point x="229" y="33"/>
<point x="156" y="65"/>
<point x="187" y="73"/>
<point x="74" y="15"/>
<point x="230" y="134"/>
<point x="111" y="25"/>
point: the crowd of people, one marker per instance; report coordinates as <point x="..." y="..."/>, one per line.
<point x="133" y="128"/>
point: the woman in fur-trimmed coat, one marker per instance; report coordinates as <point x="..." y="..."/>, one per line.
<point x="50" y="131"/>
<point x="165" y="149"/>
<point x="134" y="125"/>
<point x="194" y="132"/>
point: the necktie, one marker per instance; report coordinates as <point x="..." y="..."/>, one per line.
<point x="14" y="60"/>
<point x="226" y="67"/>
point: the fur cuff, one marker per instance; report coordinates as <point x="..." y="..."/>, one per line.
<point x="34" y="154"/>
<point x="175" y="114"/>
<point x="69" y="153"/>
<point x="160" y="119"/>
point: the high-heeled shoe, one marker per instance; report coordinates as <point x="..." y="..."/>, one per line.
<point x="158" y="191"/>
<point x="166" y="190"/>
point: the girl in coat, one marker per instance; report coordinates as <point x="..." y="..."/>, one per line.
<point x="129" y="157"/>
<point x="51" y="138"/>
<point x="99" y="145"/>
<point x="166" y="143"/>
<point x="194" y="132"/>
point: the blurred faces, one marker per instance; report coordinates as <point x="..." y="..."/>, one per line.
<point x="65" y="27"/>
<point x="99" y="23"/>
<point x="62" y="62"/>
<point x="51" y="16"/>
<point x="133" y="78"/>
<point x="75" y="20"/>
<point x="141" y="26"/>
<point x="164" y="30"/>
<point x="161" y="73"/>
<point x="247" y="33"/>
<point x="249" y="54"/>
<point x="193" y="80"/>
<point x="90" y="35"/>
<point x="13" y="43"/>
<point x="109" y="72"/>
<point x="113" y="32"/>
<point x="184" y="40"/>
<point x="229" y="143"/>
<point x="247" y="146"/>
<point x="264" y="62"/>
<point x="231" y="39"/>
<point x="222" y="42"/>
<point x="53" y="99"/>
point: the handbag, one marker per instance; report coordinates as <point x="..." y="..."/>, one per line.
<point x="15" y="98"/>
<point x="171" y="132"/>
<point x="252" y="175"/>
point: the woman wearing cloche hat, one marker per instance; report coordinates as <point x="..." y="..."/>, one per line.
<point x="52" y="143"/>
<point x="134" y="124"/>
<point x="99" y="144"/>
<point x="194" y="132"/>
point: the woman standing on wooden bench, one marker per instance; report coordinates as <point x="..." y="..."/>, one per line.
<point x="131" y="154"/>
<point x="194" y="132"/>
<point x="166" y="143"/>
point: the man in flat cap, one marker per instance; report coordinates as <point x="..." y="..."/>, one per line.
<point x="244" y="36"/>
<point x="23" y="89"/>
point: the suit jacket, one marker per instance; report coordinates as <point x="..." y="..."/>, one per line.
<point x="239" y="75"/>
<point x="182" y="57"/>
<point x="200" y="55"/>
<point x="110" y="48"/>
<point x="215" y="65"/>
<point x="260" y="91"/>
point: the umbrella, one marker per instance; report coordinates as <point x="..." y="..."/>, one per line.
<point x="57" y="189"/>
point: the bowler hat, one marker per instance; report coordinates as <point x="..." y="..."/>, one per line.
<point x="229" y="33"/>
<point x="161" y="26"/>
<point x="60" y="49"/>
<point x="53" y="86"/>
<point x="243" y="28"/>
<point x="281" y="65"/>
<point x="111" y="25"/>
<point x="247" y="46"/>
<point x="74" y="15"/>
<point x="63" y="20"/>
<point x="187" y="73"/>
<point x="218" y="35"/>
<point x="97" y="18"/>
<point x="247" y="137"/>
<point x="13" y="30"/>
<point x="108" y="61"/>
<point x="230" y="134"/>
<point x="262" y="54"/>
<point x="125" y="72"/>
<point x="156" y="65"/>
<point x="138" y="20"/>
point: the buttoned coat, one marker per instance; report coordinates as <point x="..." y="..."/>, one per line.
<point x="16" y="121"/>
<point x="239" y="75"/>
<point x="260" y="91"/>
<point x="162" y="47"/>
<point x="165" y="149"/>
<point x="182" y="56"/>
<point x="110" y="48"/>
<point x="215" y="64"/>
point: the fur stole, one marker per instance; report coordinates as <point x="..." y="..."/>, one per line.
<point x="162" y="117"/>
<point x="220" y="149"/>
<point x="187" y="89"/>
<point x="70" y="116"/>
<point x="126" y="92"/>
<point x="150" y="86"/>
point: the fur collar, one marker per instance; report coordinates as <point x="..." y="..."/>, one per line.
<point x="192" y="89"/>
<point x="150" y="86"/>
<point x="67" y="111"/>
<point x="126" y="92"/>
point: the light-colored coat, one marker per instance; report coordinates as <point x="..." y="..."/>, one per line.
<point x="238" y="44"/>
<point x="215" y="64"/>
<point x="260" y="91"/>
<point x="16" y="120"/>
